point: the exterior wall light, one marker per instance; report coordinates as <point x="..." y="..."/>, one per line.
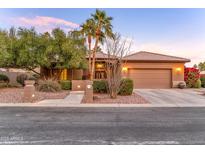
<point x="124" y="69"/>
<point x="78" y="86"/>
<point x="99" y="65"/>
<point x="178" y="69"/>
<point x="89" y="86"/>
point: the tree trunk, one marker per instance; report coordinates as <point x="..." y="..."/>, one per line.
<point x="89" y="63"/>
<point x="33" y="71"/>
<point x="113" y="94"/>
<point x="93" y="60"/>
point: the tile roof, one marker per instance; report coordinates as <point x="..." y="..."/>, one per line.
<point x="100" y="55"/>
<point x="149" y="56"/>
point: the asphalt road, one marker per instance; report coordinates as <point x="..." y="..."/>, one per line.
<point x="102" y="125"/>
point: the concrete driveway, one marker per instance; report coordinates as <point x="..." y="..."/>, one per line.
<point x="173" y="97"/>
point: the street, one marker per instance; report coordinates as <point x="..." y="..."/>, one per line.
<point x="41" y="125"/>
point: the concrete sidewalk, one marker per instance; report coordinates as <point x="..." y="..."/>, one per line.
<point x="157" y="98"/>
<point x="61" y="103"/>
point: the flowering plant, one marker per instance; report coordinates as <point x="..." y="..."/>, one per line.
<point x="191" y="75"/>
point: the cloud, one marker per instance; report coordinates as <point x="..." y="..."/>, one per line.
<point x="43" y="23"/>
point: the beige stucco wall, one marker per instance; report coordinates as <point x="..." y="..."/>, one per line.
<point x="177" y="76"/>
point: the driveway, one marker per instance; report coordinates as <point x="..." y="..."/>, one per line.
<point x="41" y="125"/>
<point x="173" y="97"/>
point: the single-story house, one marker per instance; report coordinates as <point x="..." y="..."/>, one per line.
<point x="202" y="74"/>
<point x="146" y="69"/>
<point x="153" y="70"/>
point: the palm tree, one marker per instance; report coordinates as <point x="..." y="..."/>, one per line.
<point x="88" y="30"/>
<point x="103" y="27"/>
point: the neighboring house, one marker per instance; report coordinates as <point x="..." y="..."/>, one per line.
<point x="146" y="69"/>
<point x="202" y="74"/>
<point x="12" y="73"/>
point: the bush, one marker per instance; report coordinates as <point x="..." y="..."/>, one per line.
<point x="21" y="78"/>
<point x="191" y="76"/>
<point x="9" y="85"/>
<point x="126" y="87"/>
<point x="3" y="85"/>
<point x="48" y="86"/>
<point x="4" y="78"/>
<point x="203" y="82"/>
<point x="181" y="85"/>
<point x="36" y="76"/>
<point x="100" y="86"/>
<point x="198" y="84"/>
<point x="65" y="85"/>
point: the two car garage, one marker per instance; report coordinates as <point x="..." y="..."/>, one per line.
<point x="151" y="78"/>
<point x="153" y="70"/>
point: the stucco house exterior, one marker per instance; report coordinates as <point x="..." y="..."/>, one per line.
<point x="146" y="69"/>
<point x="202" y="74"/>
<point x="153" y="70"/>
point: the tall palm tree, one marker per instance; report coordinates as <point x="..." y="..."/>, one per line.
<point x="103" y="27"/>
<point x="88" y="30"/>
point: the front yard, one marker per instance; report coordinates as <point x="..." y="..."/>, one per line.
<point x="15" y="95"/>
<point x="130" y="99"/>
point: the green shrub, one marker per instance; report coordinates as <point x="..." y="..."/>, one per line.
<point x="203" y="82"/>
<point x="4" y="78"/>
<point x="48" y="86"/>
<point x="65" y="85"/>
<point x="9" y="85"/>
<point x="36" y="76"/>
<point x="14" y="85"/>
<point x="198" y="84"/>
<point x="31" y="78"/>
<point x="21" y="78"/>
<point x="126" y="87"/>
<point x="3" y="85"/>
<point x="100" y="86"/>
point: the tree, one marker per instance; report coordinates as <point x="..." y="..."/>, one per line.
<point x="195" y="66"/>
<point x="8" y="48"/>
<point x="201" y="66"/>
<point x="88" y="30"/>
<point x="28" y="50"/>
<point x="103" y="27"/>
<point x="116" y="49"/>
<point x="63" y="51"/>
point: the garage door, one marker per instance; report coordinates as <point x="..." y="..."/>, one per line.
<point x="149" y="78"/>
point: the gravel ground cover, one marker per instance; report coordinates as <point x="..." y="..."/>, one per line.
<point x="15" y="95"/>
<point x="131" y="99"/>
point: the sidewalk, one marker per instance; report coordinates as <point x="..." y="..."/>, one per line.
<point x="75" y="98"/>
<point x="61" y="103"/>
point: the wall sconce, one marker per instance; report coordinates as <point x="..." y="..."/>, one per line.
<point x="78" y="86"/>
<point x="99" y="65"/>
<point x="89" y="86"/>
<point x="124" y="69"/>
<point x="178" y="69"/>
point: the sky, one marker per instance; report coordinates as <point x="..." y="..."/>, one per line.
<point x="177" y="32"/>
